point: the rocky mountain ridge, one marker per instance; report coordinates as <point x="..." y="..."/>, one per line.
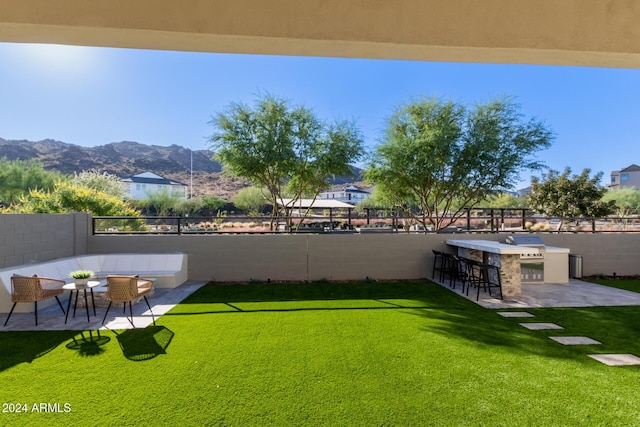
<point x="129" y="158"/>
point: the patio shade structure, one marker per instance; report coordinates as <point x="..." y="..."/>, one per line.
<point x="290" y="205"/>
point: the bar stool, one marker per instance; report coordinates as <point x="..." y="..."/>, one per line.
<point x="474" y="276"/>
<point x="493" y="278"/>
<point x="483" y="275"/>
<point x="446" y="267"/>
<point x="439" y="264"/>
<point x="459" y="272"/>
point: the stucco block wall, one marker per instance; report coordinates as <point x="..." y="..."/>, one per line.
<point x="377" y="256"/>
<point x="290" y="257"/>
<point x="36" y="238"/>
<point x="602" y="253"/>
<point x="222" y="258"/>
<point x="351" y="257"/>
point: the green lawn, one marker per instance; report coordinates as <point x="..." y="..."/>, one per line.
<point x="626" y="284"/>
<point x="362" y="354"/>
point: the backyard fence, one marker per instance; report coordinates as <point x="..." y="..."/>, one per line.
<point x="489" y="220"/>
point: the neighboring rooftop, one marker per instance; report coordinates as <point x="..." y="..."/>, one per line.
<point x="151" y="178"/>
<point x="632" y="168"/>
<point x="625" y="178"/>
<point x="348" y="193"/>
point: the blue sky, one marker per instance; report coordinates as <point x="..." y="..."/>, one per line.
<point x="94" y="96"/>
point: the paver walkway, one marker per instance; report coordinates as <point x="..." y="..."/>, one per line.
<point x="574" y="294"/>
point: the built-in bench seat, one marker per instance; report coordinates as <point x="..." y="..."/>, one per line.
<point x="168" y="270"/>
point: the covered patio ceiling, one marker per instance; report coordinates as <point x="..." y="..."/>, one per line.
<point x="567" y="32"/>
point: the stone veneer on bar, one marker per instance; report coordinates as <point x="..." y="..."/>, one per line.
<point x="509" y="268"/>
<point x="507" y="257"/>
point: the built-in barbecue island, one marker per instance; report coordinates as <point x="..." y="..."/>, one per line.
<point x="522" y="259"/>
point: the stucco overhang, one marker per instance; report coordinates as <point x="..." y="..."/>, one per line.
<point x="559" y="32"/>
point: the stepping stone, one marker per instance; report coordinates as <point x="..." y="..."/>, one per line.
<point x="575" y="340"/>
<point x="540" y="326"/>
<point x="616" y="359"/>
<point x="515" y="314"/>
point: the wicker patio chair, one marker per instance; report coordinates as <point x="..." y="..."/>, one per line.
<point x="126" y="289"/>
<point x="34" y="289"/>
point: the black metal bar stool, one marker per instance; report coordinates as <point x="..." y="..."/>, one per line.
<point x="493" y="278"/>
<point x="459" y="272"/>
<point x="483" y="275"/>
<point x="439" y="264"/>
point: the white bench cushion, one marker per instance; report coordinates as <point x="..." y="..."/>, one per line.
<point x="169" y="270"/>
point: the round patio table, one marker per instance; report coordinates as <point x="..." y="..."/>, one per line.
<point x="77" y="288"/>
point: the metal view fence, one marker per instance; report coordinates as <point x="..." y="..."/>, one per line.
<point x="489" y="220"/>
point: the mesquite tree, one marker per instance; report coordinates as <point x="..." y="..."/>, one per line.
<point x="439" y="157"/>
<point x="282" y="148"/>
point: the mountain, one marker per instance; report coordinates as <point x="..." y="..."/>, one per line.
<point x="129" y="158"/>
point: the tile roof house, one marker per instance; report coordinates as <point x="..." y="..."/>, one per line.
<point x="627" y="177"/>
<point x="140" y="186"/>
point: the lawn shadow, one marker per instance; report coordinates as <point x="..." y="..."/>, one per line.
<point x="141" y="344"/>
<point x="318" y="296"/>
<point x="230" y="295"/>
<point x="612" y="326"/>
<point x="26" y="346"/>
<point x="88" y="345"/>
<point x="445" y="312"/>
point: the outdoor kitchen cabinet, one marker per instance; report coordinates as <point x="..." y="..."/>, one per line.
<point x="556" y="265"/>
<point x="553" y="261"/>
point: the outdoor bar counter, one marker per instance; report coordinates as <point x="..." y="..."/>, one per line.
<point x="502" y="255"/>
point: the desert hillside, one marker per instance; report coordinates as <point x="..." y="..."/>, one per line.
<point x="128" y="158"/>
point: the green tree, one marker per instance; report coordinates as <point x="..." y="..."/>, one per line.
<point x="201" y="205"/>
<point x="504" y="200"/>
<point x="212" y="204"/>
<point x="189" y="207"/>
<point x="18" y="177"/>
<point x="626" y="200"/>
<point x="444" y="157"/>
<point x="160" y="203"/>
<point x="375" y="200"/>
<point x="104" y="181"/>
<point x="278" y="147"/>
<point x="569" y="197"/>
<point x="251" y="200"/>
<point x="67" y="197"/>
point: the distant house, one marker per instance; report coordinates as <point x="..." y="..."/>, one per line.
<point x="523" y="192"/>
<point x="627" y="177"/>
<point x="140" y="186"/>
<point x="348" y="194"/>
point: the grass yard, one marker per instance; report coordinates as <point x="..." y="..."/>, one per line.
<point x="632" y="285"/>
<point x="361" y="354"/>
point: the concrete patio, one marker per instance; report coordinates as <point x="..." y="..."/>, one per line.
<point x="576" y="293"/>
<point x="51" y="318"/>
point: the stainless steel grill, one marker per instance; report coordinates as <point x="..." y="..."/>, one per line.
<point x="533" y="242"/>
<point x="531" y="263"/>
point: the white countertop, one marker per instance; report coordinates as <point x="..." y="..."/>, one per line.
<point x="492" y="247"/>
<point x="557" y="250"/>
